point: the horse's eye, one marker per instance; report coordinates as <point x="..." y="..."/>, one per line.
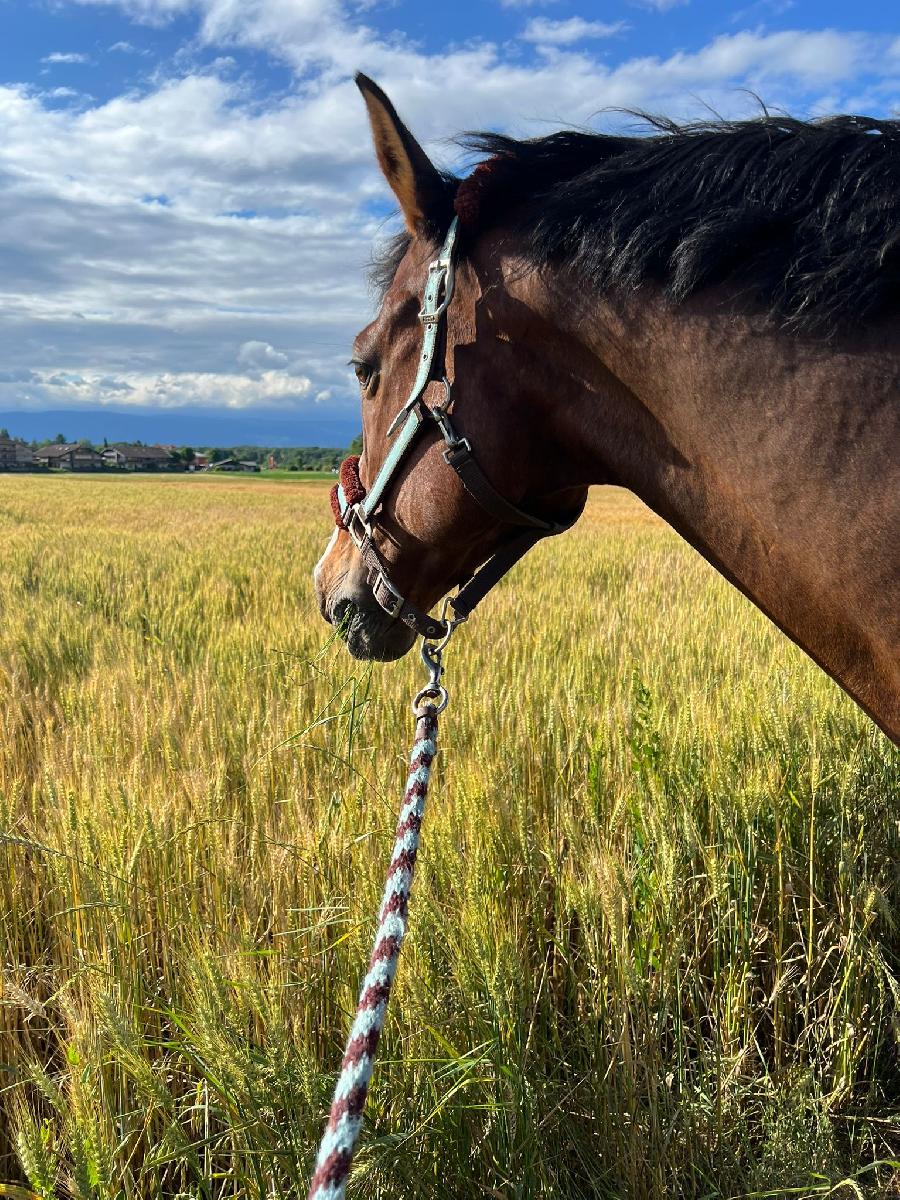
<point x="363" y="371"/>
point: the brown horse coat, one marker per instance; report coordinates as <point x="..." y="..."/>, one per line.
<point x="772" y="449"/>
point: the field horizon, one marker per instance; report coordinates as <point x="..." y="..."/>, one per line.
<point x="654" y="944"/>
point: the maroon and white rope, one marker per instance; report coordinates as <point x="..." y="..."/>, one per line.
<point x="329" y="1181"/>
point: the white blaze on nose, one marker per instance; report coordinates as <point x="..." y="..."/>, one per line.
<point x="318" y="567"/>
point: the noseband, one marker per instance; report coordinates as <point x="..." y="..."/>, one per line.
<point x="354" y="507"/>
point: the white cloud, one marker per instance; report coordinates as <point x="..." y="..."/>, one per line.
<point x="661" y="5"/>
<point x="19" y="376"/>
<point x="149" y="12"/>
<point x="196" y="244"/>
<point x="812" y="57"/>
<point x="167" y="389"/>
<point x="95" y="279"/>
<point x="260" y="355"/>
<point x="564" y="33"/>
<point x="58" y="57"/>
<point x="477" y="85"/>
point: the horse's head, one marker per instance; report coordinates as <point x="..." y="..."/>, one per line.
<point x="433" y="525"/>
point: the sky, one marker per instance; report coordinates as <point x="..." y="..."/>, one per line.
<point x="188" y="194"/>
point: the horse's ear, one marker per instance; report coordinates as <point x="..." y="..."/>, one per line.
<point x="415" y="181"/>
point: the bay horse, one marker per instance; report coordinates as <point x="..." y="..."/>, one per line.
<point x="706" y="315"/>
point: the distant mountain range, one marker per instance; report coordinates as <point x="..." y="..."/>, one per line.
<point x="184" y="426"/>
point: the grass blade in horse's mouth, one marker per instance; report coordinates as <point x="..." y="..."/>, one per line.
<point x="342" y="617"/>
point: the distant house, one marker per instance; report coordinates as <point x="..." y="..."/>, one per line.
<point x="200" y="461"/>
<point x="15" y="456"/>
<point x="141" y="458"/>
<point x="69" y="457"/>
<point x="234" y="464"/>
<point x="42" y="456"/>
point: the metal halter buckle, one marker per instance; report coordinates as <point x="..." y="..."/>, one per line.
<point x="396" y="607"/>
<point x="442" y="270"/>
<point x="456" y="450"/>
<point x="357" y="526"/>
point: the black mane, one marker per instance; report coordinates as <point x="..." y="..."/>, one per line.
<point x="802" y="217"/>
<point x="385" y="260"/>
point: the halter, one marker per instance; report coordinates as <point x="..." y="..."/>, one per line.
<point x="354" y="507"/>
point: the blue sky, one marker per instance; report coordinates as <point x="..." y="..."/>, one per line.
<point x="187" y="192"/>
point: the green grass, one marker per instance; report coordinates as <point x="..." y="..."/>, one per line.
<point x="264" y="475"/>
<point x="268" y="476"/>
<point x="298" y="476"/>
<point x="654" y="940"/>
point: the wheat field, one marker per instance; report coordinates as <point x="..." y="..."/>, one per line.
<point x="654" y="946"/>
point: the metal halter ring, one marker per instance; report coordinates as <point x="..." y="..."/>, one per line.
<point x="431" y="657"/>
<point x="440" y="700"/>
<point x="451" y="622"/>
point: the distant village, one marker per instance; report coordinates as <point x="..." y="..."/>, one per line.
<point x="60" y="455"/>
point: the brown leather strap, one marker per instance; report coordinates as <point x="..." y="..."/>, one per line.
<point x="477" y="587"/>
<point x="390" y="600"/>
<point x="459" y="456"/>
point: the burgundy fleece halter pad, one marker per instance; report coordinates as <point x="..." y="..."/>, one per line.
<point x="352" y="486"/>
<point x="473" y="194"/>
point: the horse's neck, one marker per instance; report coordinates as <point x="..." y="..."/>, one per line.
<point x="769" y="455"/>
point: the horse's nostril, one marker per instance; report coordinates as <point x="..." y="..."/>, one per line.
<point x="342" y="614"/>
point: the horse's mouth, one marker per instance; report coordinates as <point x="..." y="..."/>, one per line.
<point x="368" y="631"/>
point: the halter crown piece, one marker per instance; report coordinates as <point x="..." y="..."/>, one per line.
<point x="354" y="507"/>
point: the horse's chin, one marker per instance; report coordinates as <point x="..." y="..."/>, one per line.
<point x="369" y="633"/>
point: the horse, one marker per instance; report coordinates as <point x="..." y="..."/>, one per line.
<point x="705" y="314"/>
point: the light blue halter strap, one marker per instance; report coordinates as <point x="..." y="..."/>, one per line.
<point x="392" y="462"/>
<point x="438" y="294"/>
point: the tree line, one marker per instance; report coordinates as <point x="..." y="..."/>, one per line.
<point x="285" y="458"/>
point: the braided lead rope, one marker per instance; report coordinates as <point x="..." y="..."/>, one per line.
<point x="329" y="1181"/>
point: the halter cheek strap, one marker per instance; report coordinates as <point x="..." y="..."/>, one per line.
<point x="354" y="506"/>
